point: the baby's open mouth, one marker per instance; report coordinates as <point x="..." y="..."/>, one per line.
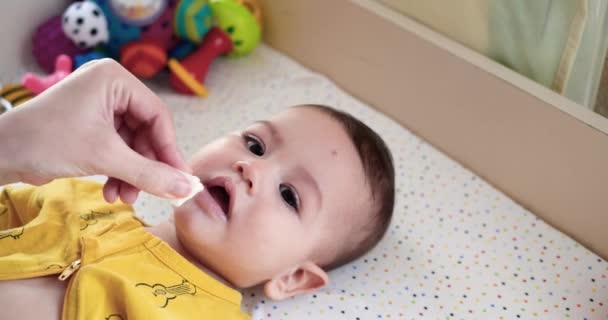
<point x="221" y="197"/>
<point x="221" y="191"/>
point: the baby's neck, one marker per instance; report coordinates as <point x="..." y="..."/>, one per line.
<point x="166" y="232"/>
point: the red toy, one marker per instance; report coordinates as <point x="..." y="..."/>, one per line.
<point x="188" y="74"/>
<point x="147" y="56"/>
<point x="237" y="32"/>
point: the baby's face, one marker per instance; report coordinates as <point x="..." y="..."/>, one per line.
<point x="280" y="193"/>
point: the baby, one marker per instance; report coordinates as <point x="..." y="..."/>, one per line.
<point x="285" y="201"/>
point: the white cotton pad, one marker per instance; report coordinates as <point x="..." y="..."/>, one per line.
<point x="196" y="185"/>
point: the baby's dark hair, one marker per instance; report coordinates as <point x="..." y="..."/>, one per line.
<point x="380" y="176"/>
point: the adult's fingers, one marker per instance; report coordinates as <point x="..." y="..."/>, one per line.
<point x="123" y="163"/>
<point x="128" y="193"/>
<point x="111" y="189"/>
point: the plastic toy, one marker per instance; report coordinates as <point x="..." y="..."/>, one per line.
<point x="49" y="41"/>
<point x="238" y="23"/>
<point x="237" y="34"/>
<point x="81" y="59"/>
<point x="147" y="56"/>
<point x="85" y="23"/>
<point x="147" y="35"/>
<point x="12" y="95"/>
<point x="138" y="13"/>
<point x="254" y="7"/>
<point x="37" y="84"/>
<point x="192" y="20"/>
<point x="188" y="75"/>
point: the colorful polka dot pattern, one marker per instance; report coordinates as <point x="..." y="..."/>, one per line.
<point x="457" y="248"/>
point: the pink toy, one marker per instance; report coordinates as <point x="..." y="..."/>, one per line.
<point x="37" y="84"/>
<point x="49" y="42"/>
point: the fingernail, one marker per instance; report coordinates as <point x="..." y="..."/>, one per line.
<point x="181" y="188"/>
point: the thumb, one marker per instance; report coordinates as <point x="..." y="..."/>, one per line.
<point x="148" y="175"/>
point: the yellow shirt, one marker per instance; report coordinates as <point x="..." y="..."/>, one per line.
<point x="125" y="272"/>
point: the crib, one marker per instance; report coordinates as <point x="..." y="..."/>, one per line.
<point x="500" y="210"/>
<point x="558" y="43"/>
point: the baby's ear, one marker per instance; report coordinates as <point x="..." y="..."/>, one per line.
<point x="305" y="278"/>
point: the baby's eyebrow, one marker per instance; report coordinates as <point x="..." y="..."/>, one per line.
<point x="274" y="133"/>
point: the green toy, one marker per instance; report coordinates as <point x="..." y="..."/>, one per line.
<point x="237" y="32"/>
<point x="239" y="23"/>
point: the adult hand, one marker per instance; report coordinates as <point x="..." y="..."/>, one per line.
<point x="98" y="120"/>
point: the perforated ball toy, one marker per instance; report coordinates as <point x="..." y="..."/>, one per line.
<point x="84" y="22"/>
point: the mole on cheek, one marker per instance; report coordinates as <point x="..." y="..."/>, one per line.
<point x="334" y="153"/>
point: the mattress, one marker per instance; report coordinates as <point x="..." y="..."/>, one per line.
<point x="457" y="248"/>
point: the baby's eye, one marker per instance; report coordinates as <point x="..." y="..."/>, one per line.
<point x="290" y="196"/>
<point x="254" y="144"/>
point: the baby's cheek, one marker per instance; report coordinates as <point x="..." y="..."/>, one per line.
<point x="275" y="241"/>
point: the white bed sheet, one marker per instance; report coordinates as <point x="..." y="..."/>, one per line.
<point x="457" y="247"/>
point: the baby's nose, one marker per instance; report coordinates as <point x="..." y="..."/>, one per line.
<point x="246" y="173"/>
